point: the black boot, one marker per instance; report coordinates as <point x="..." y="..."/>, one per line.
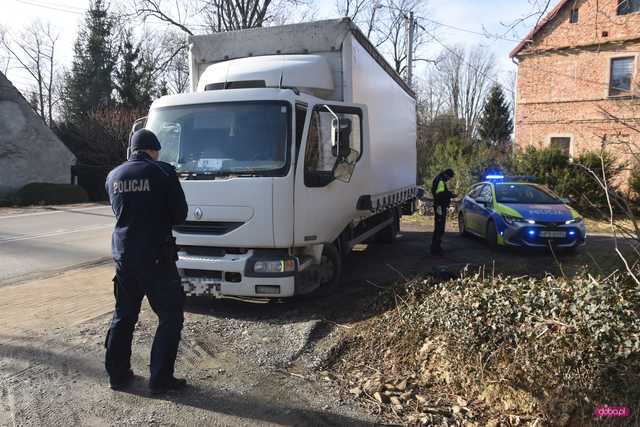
<point x="121" y="383"/>
<point x="172" y="384"/>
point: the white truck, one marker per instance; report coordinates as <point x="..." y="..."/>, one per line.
<point x="295" y="144"/>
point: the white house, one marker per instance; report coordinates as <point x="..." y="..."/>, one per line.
<point x="29" y="150"/>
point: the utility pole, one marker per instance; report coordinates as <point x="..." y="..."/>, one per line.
<point x="411" y="30"/>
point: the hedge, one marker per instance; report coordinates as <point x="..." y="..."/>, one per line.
<point x="45" y="193"/>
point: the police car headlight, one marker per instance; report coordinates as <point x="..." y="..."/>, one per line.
<point x="574" y="221"/>
<point x="283" y="266"/>
<point x="509" y="219"/>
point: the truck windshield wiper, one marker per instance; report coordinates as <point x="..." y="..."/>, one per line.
<point x="214" y="175"/>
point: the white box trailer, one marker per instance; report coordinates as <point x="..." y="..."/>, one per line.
<point x="296" y="143"/>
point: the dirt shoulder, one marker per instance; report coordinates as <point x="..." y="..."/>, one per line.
<point x="236" y="358"/>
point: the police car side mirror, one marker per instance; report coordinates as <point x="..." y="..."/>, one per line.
<point x="483" y="201"/>
<point x="565" y="200"/>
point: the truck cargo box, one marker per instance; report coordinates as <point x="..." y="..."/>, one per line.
<point x="331" y="60"/>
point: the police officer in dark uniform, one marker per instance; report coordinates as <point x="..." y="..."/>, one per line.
<point x="148" y="201"/>
<point x="441" y="201"/>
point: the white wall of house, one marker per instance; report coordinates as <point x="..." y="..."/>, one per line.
<point x="29" y="150"/>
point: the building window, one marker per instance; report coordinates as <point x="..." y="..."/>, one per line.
<point x="575" y="16"/>
<point x="628" y="6"/>
<point x="562" y="144"/>
<point x="621" y="76"/>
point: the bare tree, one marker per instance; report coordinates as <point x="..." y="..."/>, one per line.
<point x="215" y="15"/>
<point x="5" y="57"/>
<point x="537" y="12"/>
<point x="34" y="50"/>
<point x="467" y="75"/>
<point x="431" y="96"/>
<point x="365" y="13"/>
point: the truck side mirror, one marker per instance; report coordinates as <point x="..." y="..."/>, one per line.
<point x="137" y="125"/>
<point x="335" y="137"/>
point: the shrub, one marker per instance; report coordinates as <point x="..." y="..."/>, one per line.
<point x="45" y="193"/>
<point x="634" y="183"/>
<point x="550" y="349"/>
<point x="469" y="162"/>
<point x="568" y="178"/>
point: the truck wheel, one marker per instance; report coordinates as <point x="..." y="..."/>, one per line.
<point x="388" y="234"/>
<point x="492" y="236"/>
<point x="330" y="270"/>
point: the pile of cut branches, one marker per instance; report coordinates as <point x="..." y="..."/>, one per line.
<point x="500" y="350"/>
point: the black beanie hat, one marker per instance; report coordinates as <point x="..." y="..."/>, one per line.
<point x="144" y="139"/>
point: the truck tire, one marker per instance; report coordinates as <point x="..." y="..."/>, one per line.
<point x="388" y="234"/>
<point x="331" y="267"/>
<point x="331" y="256"/>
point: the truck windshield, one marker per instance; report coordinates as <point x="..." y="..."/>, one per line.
<point x="225" y="139"/>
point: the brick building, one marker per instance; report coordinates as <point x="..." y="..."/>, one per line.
<point x="576" y="70"/>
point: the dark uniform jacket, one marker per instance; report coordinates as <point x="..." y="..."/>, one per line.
<point x="148" y="201"/>
<point x="441" y="194"/>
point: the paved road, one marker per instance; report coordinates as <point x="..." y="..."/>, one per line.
<point x="53" y="239"/>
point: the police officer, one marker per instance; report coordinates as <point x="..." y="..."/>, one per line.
<point x="441" y="201"/>
<point x="147" y="200"/>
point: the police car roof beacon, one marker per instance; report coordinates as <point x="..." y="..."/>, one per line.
<point x="291" y="141"/>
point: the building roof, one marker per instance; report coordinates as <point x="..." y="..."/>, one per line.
<point x="539" y="27"/>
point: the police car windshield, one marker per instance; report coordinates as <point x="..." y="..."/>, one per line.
<point x="224" y="138"/>
<point x="525" y="194"/>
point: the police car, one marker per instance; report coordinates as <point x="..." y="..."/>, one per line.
<point x="518" y="213"/>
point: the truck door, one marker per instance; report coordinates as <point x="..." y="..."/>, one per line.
<point x="329" y="173"/>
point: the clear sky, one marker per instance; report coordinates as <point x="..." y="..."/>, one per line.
<point x="480" y="16"/>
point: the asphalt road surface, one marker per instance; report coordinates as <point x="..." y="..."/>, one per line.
<point x="53" y="239"/>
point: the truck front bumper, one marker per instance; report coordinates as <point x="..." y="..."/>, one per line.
<point x="225" y="275"/>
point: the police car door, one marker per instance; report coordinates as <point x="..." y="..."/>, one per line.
<point x="470" y="209"/>
<point x="484" y="204"/>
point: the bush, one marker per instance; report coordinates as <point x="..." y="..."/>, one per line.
<point x="45" y="193"/>
<point x="569" y="178"/>
<point x="634" y="183"/>
<point x="549" y="349"/>
<point x="469" y="162"/>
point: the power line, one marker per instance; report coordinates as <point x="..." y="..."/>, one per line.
<point x="463" y="59"/>
<point x="50" y="7"/>
<point x="465" y="30"/>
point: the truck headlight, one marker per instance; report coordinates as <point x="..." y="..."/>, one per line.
<point x="282" y="266"/>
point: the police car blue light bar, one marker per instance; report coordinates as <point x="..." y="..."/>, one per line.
<point x="494" y="176"/>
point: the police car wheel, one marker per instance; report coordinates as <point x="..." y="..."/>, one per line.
<point x="462" y="227"/>
<point x="492" y="236"/>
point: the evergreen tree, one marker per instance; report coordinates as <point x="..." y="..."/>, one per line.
<point x="496" y="124"/>
<point x="133" y="76"/>
<point x="89" y="85"/>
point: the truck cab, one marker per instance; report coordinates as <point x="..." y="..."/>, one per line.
<point x="280" y="169"/>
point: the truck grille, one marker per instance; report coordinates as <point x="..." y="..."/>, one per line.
<point x="207" y="227"/>
<point x="208" y="274"/>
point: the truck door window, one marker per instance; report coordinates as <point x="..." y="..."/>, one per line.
<point x="322" y="156"/>
<point x="318" y="156"/>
